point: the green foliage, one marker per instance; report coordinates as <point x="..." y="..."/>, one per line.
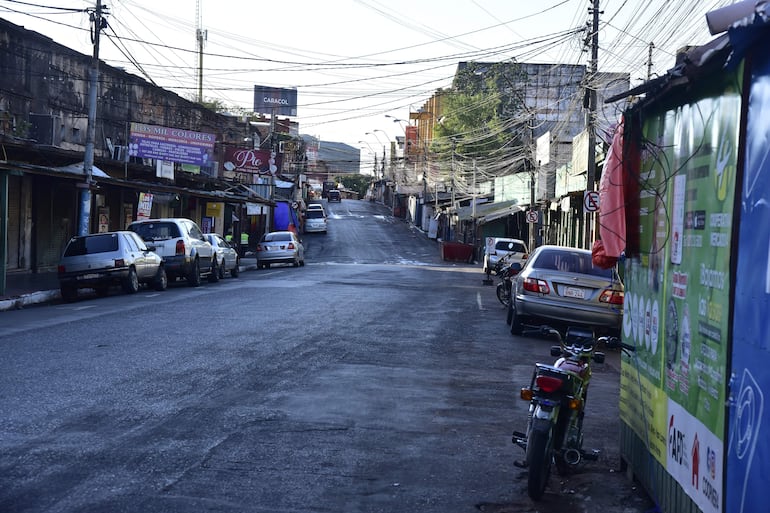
<point x="477" y="110"/>
<point x="358" y="183"/>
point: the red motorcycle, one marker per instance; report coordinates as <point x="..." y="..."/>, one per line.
<point x="557" y="396"/>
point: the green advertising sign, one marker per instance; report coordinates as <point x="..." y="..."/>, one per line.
<point x="677" y="289"/>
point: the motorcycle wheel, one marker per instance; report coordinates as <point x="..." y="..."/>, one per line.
<point x="539" y="462"/>
<point x="502" y="294"/>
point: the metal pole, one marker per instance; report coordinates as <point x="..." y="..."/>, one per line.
<point x="591" y="178"/>
<point x="97" y="23"/>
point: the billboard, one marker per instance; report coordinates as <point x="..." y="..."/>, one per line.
<point x="246" y="160"/>
<point x="171" y="144"/>
<point x="677" y="302"/>
<point x="275" y="101"/>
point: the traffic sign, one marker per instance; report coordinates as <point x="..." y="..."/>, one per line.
<point x="591" y="201"/>
<point x="531" y="216"/>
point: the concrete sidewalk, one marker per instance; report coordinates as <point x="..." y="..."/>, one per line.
<point x="26" y="288"/>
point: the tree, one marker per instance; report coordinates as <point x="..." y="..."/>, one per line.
<point x="358" y="183"/>
<point x="478" y="110"/>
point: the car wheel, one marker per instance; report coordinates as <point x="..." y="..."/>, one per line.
<point x="214" y="271"/>
<point x="161" y="279"/>
<point x="194" y="278"/>
<point x="236" y="270"/>
<point x="267" y="265"/>
<point x="69" y="293"/>
<point x="509" y="317"/>
<point x="222" y="270"/>
<point x="517" y="326"/>
<point x="131" y="283"/>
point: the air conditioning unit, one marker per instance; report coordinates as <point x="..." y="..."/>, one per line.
<point x="45" y="129"/>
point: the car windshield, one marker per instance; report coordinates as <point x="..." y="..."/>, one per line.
<point x="93" y="244"/>
<point x="570" y="262"/>
<point x="156" y="231"/>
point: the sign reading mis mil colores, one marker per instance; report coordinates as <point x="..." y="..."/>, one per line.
<point x="171" y="144"/>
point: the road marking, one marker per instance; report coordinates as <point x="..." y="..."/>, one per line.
<point x="478" y="301"/>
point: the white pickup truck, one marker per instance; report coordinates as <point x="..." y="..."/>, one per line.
<point x="180" y="242"/>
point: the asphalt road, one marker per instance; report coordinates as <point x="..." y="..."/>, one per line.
<point x="377" y="378"/>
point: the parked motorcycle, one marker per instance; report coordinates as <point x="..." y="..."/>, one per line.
<point x="505" y="271"/>
<point x="557" y="396"/>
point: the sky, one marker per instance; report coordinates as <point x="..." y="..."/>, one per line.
<point x="355" y="61"/>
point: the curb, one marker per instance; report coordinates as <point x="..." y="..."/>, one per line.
<point x="32" y="298"/>
<point x="47" y="296"/>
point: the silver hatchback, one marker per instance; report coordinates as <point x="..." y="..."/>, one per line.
<point x="283" y="247"/>
<point x="560" y="285"/>
<point x="101" y="260"/>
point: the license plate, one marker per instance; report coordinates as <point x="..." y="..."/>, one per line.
<point x="575" y="292"/>
<point x="89" y="276"/>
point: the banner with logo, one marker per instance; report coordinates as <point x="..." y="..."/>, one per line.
<point x="245" y="160"/>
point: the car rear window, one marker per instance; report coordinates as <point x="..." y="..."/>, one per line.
<point x="314" y="214"/>
<point x="156" y="231"/>
<point x="502" y="245"/>
<point x="270" y="237"/>
<point x="570" y="262"/>
<point x="92" y="244"/>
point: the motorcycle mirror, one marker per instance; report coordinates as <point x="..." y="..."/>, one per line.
<point x="555" y="350"/>
<point x="611" y="342"/>
<point x="599" y="357"/>
<point x="516" y="267"/>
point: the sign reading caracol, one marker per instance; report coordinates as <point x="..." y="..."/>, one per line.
<point x="275" y="101"/>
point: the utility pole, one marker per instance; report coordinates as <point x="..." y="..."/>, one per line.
<point x="649" y="61"/>
<point x="591" y="84"/>
<point x="97" y="24"/>
<point x="200" y="36"/>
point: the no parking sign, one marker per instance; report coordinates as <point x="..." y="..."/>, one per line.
<point x="590" y="201"/>
<point x="531" y="216"/>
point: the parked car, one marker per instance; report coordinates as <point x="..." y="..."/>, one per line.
<point x="101" y="260"/>
<point x="280" y="247"/>
<point x="334" y="195"/>
<point x="228" y="260"/>
<point x="316" y="206"/>
<point x="180" y="242"/>
<point x="560" y="285"/>
<point x="513" y="250"/>
<point x="315" y="221"/>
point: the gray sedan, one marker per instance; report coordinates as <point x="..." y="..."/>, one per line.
<point x="560" y="285"/>
<point x="282" y="247"/>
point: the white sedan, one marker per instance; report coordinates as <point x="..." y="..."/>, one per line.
<point x="227" y="256"/>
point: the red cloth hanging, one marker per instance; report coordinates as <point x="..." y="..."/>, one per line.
<point x="612" y="204"/>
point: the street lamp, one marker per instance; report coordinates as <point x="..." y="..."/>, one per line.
<point x="370" y="146"/>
